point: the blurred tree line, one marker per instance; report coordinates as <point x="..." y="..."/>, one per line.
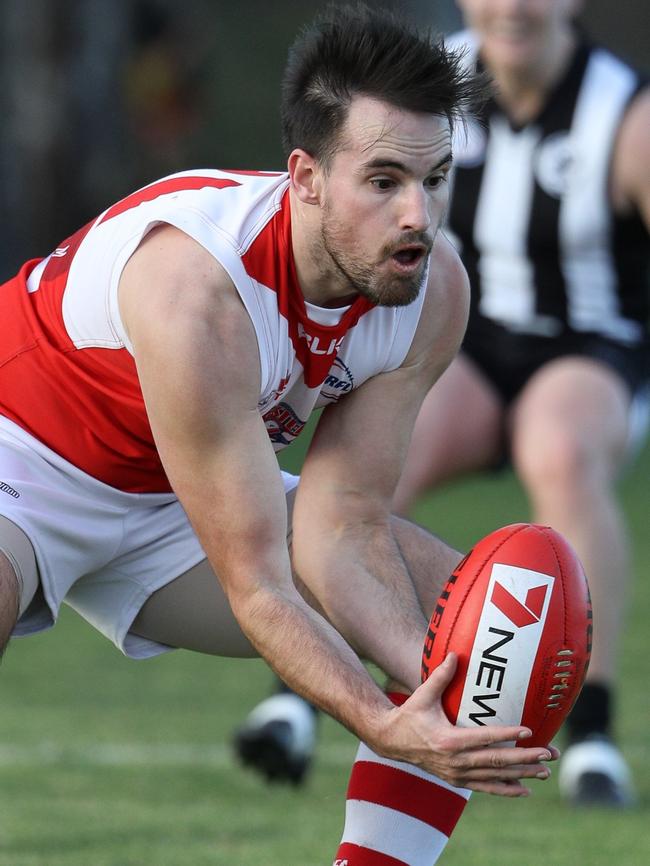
<point x="101" y="96"/>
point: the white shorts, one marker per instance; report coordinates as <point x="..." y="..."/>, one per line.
<point x="101" y="551"/>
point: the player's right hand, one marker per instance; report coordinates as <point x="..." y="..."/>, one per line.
<point x="418" y="732"/>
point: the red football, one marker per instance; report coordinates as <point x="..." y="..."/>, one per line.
<point x="517" y="613"/>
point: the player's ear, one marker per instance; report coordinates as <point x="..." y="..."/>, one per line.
<point x="304" y="171"/>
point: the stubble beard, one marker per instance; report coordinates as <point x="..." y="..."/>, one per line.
<point x="365" y="280"/>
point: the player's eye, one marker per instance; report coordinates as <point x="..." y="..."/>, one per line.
<point x="382" y="183"/>
<point x="435" y="181"/>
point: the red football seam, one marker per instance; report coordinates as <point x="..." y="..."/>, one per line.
<point x="549" y="537"/>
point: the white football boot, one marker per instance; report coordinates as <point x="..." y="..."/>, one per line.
<point x="277" y="739"/>
<point x="593" y="772"/>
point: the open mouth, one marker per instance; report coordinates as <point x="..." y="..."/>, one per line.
<point x="408" y="257"/>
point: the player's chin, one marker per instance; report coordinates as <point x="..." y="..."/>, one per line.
<point x="399" y="291"/>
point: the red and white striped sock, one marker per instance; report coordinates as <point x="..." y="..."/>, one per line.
<point x="396" y="814"/>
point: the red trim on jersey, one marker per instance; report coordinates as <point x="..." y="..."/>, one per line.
<point x="164" y="187"/>
<point x="358" y="855"/>
<point x="420" y="798"/>
<point x="61" y="259"/>
<point x="269" y="260"/>
<point x="85" y="404"/>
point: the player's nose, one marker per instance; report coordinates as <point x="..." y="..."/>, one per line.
<point x="415" y="213"/>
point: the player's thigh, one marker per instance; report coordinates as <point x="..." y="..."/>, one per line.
<point x="572" y="414"/>
<point x="192" y="612"/>
<point x="18" y="569"/>
<point x="458" y="429"/>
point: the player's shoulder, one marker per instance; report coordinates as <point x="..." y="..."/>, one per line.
<point x="228" y="202"/>
<point x="609" y="78"/>
<point x="447" y="282"/>
<point x="196" y="222"/>
<point x="629" y="174"/>
<point x="171" y="274"/>
<point x="446" y="305"/>
<point x="611" y="62"/>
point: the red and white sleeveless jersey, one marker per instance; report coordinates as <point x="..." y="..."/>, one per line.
<point x="67" y="373"/>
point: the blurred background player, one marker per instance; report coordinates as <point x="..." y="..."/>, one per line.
<point x="550" y="211"/>
<point x="551" y="208"/>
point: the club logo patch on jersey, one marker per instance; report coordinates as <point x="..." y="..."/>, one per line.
<point x="276" y="393"/>
<point x="507" y="639"/>
<point x="553" y="162"/>
<point x="282" y="424"/>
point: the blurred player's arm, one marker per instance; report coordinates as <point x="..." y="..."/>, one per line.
<point x="344" y="548"/>
<point x="630" y="177"/>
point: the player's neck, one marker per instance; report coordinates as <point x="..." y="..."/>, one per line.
<point x="319" y="279"/>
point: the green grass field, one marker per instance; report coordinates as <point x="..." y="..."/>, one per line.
<point x="109" y="762"/>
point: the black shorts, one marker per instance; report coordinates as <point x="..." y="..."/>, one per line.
<point x="508" y="360"/>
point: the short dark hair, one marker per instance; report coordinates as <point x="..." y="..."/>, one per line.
<point x="354" y="50"/>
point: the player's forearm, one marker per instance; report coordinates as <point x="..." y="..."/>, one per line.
<point x="312" y="658"/>
<point x="364" y="586"/>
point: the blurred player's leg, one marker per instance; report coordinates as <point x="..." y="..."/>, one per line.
<point x="278" y="737"/>
<point x="458" y="430"/>
<point x="570" y="431"/>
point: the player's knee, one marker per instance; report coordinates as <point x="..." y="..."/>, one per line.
<point x="560" y="461"/>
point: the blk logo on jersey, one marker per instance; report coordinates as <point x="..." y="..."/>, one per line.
<point x="328" y="347"/>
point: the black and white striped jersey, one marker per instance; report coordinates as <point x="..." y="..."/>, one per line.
<point x="530" y="210"/>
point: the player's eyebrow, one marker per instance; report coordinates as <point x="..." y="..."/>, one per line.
<point x="379" y="162"/>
